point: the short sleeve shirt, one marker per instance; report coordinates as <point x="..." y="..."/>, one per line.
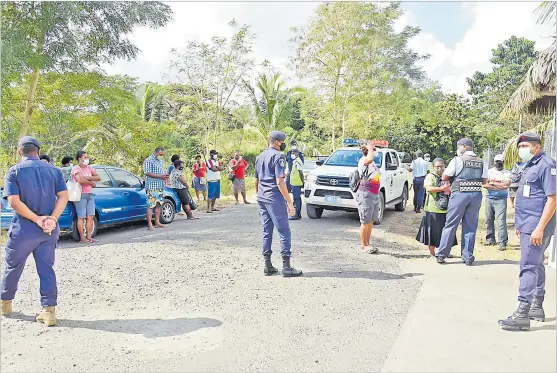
<point x="87" y="171"/>
<point x="455" y="166"/>
<point x="239" y="172"/>
<point x="213" y="175"/>
<point x="199" y="170"/>
<point x="154" y="166"/>
<point x="36" y="183"/>
<point x="431" y="206"/>
<point x="372" y="181"/>
<point x="539" y="175"/>
<point x="270" y="165"/>
<point x="500" y="176"/>
<point x="175" y="179"/>
<point x="419" y="167"/>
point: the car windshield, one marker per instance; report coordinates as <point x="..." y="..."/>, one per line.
<point x="350" y="158"/>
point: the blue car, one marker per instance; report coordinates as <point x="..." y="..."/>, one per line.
<point x="119" y="198"/>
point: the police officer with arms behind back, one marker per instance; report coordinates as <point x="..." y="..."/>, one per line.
<point x="37" y="192"/>
<point x="274" y="202"/>
<point x="469" y="174"/>
<point x="535" y="224"/>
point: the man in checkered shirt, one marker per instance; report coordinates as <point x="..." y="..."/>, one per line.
<point x="155" y="178"/>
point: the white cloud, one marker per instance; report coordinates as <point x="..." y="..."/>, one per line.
<point x="491" y="24"/>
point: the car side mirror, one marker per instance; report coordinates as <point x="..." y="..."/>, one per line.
<point x="320" y="162"/>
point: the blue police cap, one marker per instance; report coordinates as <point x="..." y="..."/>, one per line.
<point x="528" y="136"/>
<point x="465" y="141"/>
<point x="28" y="140"/>
<point x="278" y="136"/>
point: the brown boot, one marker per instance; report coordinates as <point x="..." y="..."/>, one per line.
<point x="6" y="307"/>
<point x="47" y="316"/>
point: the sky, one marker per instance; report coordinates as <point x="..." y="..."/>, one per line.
<point x="458" y="36"/>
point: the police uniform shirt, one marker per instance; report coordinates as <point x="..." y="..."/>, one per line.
<point x="36" y="183"/>
<point x="536" y="184"/>
<point x="268" y="166"/>
<point x="455" y="166"/>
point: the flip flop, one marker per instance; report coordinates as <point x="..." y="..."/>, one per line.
<point x="194" y="218"/>
<point x="216" y="210"/>
<point x="92" y="240"/>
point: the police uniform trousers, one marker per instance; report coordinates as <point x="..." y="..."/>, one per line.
<point x="18" y="248"/>
<point x="532" y="270"/>
<point x="465" y="207"/>
<point x="275" y="215"/>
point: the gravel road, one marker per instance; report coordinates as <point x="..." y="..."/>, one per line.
<point x="193" y="298"/>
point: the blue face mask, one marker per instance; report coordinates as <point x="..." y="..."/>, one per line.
<point x="525" y="154"/>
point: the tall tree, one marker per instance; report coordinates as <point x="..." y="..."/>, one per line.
<point x="71" y="36"/>
<point x="218" y="68"/>
<point x="350" y="49"/>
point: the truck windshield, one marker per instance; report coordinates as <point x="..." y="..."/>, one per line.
<point x="350" y="158"/>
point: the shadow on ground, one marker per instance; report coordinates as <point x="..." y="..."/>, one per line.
<point x="150" y="328"/>
<point x="370" y="275"/>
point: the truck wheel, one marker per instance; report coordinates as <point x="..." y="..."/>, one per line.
<point x="381" y="208"/>
<point x="75" y="233"/>
<point x="314" y="212"/>
<point x="168" y="212"/>
<point x="402" y="205"/>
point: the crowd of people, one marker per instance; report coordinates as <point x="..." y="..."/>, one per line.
<point x="450" y="195"/>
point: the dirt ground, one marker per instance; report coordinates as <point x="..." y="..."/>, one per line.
<point x="193" y="297"/>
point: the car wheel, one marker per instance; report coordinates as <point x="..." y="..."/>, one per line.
<point x="314" y="212"/>
<point x="75" y="232"/>
<point x="402" y="205"/>
<point x="168" y="212"/>
<point x="381" y="208"/>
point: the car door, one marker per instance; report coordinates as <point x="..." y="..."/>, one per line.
<point x="130" y="189"/>
<point x="105" y="197"/>
<point x="389" y="176"/>
<point x="399" y="176"/>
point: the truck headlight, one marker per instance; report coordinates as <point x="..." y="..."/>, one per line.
<point x="311" y="179"/>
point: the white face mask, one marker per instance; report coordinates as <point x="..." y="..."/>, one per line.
<point x="525" y="154"/>
<point x="86" y="162"/>
<point x="215" y="157"/>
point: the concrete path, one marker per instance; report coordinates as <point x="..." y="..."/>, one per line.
<point x="452" y="326"/>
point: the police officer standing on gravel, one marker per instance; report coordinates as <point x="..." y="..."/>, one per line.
<point x="37" y="192"/>
<point x="469" y="174"/>
<point x="535" y="224"/>
<point x="275" y="204"/>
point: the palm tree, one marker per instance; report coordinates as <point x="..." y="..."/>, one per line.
<point x="547" y="13"/>
<point x="152" y="103"/>
<point x="272" y="103"/>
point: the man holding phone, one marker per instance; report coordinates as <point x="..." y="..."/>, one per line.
<point x="238" y="166"/>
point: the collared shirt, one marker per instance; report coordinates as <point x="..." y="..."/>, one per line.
<point x="36" y="183"/>
<point x="539" y="175"/>
<point x="455" y="166"/>
<point x="419" y="167"/>
<point x="269" y="166"/>
<point x="154" y="166"/>
<point x="289" y="158"/>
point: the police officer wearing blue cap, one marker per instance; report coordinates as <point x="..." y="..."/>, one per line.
<point x="469" y="174"/>
<point x="37" y="192"/>
<point x="275" y="204"/>
<point x="535" y="224"/>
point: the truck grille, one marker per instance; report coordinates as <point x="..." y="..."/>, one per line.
<point x="333" y="181"/>
<point x="340" y="193"/>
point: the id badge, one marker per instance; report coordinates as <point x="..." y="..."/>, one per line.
<point x="526" y="191"/>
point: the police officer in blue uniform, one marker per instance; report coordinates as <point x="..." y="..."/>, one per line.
<point x="37" y="192"/>
<point x="468" y="174"/>
<point x="275" y="204"/>
<point x="535" y="224"/>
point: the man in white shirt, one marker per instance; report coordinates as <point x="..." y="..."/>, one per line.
<point x="214" y="167"/>
<point x="469" y="175"/>
<point x="419" y="168"/>
<point x="498" y="182"/>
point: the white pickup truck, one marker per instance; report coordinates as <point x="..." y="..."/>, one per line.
<point x="327" y="188"/>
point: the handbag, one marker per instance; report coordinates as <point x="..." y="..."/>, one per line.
<point x="74" y="190"/>
<point x="193" y="204"/>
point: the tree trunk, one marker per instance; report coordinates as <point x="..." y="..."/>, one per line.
<point x="30" y="103"/>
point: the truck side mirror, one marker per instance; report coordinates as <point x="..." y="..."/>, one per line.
<point x="320" y="162"/>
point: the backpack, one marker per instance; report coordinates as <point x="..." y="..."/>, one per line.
<point x="354" y="179"/>
<point x="441" y="199"/>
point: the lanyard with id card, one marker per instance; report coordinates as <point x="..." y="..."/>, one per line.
<point x="526" y="190"/>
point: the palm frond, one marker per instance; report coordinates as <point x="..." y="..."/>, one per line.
<point x="546" y="13"/>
